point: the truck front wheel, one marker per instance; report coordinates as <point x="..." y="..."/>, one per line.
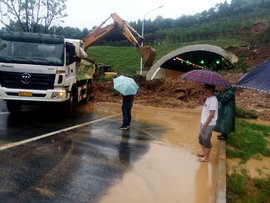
<point x="69" y="104"/>
<point x="13" y="106"/>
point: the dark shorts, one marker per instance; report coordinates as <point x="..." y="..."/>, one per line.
<point x="205" y="135"/>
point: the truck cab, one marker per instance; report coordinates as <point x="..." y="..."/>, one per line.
<point x="36" y="68"/>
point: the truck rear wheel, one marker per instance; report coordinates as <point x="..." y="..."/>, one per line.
<point x="13" y="106"/>
<point x="89" y="91"/>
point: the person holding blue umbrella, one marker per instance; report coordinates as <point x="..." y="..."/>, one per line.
<point x="128" y="88"/>
<point x="127" y="104"/>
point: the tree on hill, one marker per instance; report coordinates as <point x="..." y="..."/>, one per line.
<point x="31" y="15"/>
<point x="229" y="20"/>
<point x="223" y="20"/>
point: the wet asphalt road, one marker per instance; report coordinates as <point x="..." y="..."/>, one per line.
<point x="2" y="106"/>
<point x="79" y="165"/>
<point x="34" y="121"/>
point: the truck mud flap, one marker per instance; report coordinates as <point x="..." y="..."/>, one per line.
<point x="82" y="92"/>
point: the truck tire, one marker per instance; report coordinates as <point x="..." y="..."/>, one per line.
<point x="90" y="91"/>
<point x="69" y="104"/>
<point x="13" y="106"/>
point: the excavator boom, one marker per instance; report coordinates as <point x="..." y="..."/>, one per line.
<point x="147" y="53"/>
<point x="96" y="35"/>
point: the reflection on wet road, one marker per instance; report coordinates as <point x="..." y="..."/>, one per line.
<point x="152" y="162"/>
<point x="37" y="121"/>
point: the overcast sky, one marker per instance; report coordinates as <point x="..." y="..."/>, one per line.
<point x="89" y="13"/>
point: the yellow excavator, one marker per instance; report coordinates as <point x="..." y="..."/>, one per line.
<point x="147" y="53"/>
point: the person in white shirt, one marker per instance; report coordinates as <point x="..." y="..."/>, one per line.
<point x="208" y="121"/>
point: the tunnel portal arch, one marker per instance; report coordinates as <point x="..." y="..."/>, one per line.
<point x="189" y="53"/>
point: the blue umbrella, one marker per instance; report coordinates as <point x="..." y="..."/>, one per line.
<point x="258" y="79"/>
<point x="125" y="85"/>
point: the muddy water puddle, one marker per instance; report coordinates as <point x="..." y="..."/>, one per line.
<point x="169" y="171"/>
<point x="256" y="168"/>
<point x="258" y="121"/>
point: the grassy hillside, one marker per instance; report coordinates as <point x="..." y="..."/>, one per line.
<point x="127" y="59"/>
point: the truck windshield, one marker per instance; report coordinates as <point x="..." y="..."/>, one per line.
<point x="31" y="53"/>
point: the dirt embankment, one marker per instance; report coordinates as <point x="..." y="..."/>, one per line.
<point x="169" y="92"/>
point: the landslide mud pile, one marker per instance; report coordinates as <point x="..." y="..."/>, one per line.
<point x="169" y="92"/>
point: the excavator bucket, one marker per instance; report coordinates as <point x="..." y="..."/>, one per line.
<point x="148" y="55"/>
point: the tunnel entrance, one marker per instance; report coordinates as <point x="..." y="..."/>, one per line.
<point x="192" y="57"/>
<point x="196" y="60"/>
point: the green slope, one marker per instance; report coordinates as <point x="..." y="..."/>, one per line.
<point x="127" y="59"/>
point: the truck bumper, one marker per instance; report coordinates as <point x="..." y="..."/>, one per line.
<point x="55" y="95"/>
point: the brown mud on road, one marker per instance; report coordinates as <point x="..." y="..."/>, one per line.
<point x="169" y="171"/>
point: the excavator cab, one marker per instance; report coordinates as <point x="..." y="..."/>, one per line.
<point x="105" y="70"/>
<point x="147" y="53"/>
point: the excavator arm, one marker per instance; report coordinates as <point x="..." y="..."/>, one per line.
<point x="147" y="53"/>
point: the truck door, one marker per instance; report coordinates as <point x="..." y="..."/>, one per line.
<point x="70" y="59"/>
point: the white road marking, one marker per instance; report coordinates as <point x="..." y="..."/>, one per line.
<point x="3" y="113"/>
<point x="14" y="144"/>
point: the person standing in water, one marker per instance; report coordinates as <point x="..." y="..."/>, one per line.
<point x="127" y="104"/>
<point x="208" y="121"/>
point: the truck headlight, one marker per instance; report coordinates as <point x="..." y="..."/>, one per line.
<point x="58" y="95"/>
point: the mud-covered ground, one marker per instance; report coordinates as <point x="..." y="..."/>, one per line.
<point x="177" y="93"/>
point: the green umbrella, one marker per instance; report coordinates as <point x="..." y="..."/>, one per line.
<point x="125" y="85"/>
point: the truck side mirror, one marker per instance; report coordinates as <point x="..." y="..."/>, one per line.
<point x="70" y="53"/>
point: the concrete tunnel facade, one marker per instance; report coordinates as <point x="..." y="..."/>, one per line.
<point x="168" y="66"/>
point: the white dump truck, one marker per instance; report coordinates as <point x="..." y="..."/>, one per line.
<point x="38" y="68"/>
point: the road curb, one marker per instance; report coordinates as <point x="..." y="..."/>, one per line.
<point x="221" y="174"/>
